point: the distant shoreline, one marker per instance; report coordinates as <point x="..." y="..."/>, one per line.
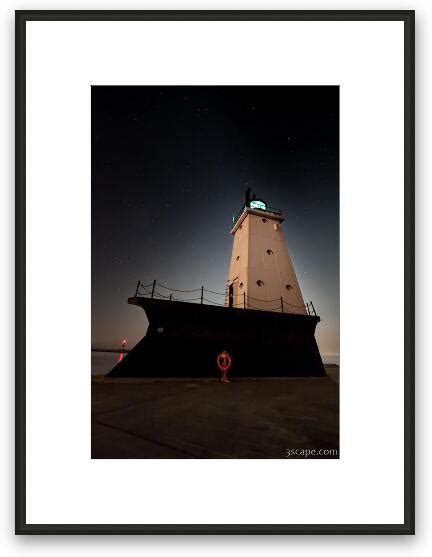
<point x="113" y="350"/>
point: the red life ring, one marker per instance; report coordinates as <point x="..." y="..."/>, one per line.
<point x="224" y="361"/>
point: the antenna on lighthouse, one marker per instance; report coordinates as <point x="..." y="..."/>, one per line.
<point x="248" y="197"/>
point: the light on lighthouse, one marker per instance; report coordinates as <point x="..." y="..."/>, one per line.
<point x="258" y="204"/>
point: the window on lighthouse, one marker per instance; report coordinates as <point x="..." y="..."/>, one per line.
<point x="260" y="283"/>
<point x="270" y="252"/>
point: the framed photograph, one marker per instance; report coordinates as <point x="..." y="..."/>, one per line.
<point x="215" y="272"/>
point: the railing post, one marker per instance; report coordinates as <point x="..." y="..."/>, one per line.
<point x="282" y="304"/>
<point x="202" y="293"/>
<point x="153" y="289"/>
<point x="313" y="309"/>
<point x="170" y="297"/>
<point x="137" y="288"/>
<point x="244" y="300"/>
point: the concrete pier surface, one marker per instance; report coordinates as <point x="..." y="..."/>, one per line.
<point x="204" y="418"/>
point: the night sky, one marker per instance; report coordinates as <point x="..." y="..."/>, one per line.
<point x="170" y="166"/>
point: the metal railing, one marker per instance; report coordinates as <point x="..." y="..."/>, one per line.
<point x="202" y="295"/>
<point x="266" y="210"/>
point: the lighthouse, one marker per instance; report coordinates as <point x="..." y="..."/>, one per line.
<point x="263" y="323"/>
<point x="261" y="274"/>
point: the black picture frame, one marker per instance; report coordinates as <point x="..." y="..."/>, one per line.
<point x="21" y="526"/>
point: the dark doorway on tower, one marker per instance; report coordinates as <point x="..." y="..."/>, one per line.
<point x="231" y="295"/>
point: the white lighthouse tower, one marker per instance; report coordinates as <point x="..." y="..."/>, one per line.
<point x="261" y="274"/>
